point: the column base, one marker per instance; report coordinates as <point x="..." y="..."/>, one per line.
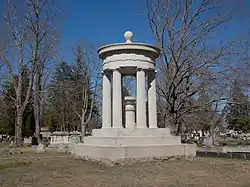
<point x="106" y="127"/>
<point x="153" y="127"/>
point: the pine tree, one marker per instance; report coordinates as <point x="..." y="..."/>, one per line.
<point x="59" y="115"/>
<point x="83" y="90"/>
<point x="238" y="109"/>
<point x="205" y="112"/>
<point x="7" y="118"/>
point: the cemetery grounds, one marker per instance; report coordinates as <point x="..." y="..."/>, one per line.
<point x="61" y="170"/>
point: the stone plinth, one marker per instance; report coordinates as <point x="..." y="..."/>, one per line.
<point x="132" y="140"/>
<point x="121" y="144"/>
<point x="137" y="151"/>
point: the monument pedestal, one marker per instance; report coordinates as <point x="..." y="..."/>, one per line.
<point x="119" y="145"/>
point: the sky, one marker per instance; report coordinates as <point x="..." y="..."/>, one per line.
<point x="101" y="22"/>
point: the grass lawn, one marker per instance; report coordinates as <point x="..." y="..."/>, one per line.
<point x="62" y="170"/>
<point x="2" y="145"/>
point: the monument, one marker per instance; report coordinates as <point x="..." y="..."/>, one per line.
<point x="141" y="139"/>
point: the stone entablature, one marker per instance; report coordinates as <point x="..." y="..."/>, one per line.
<point x="128" y="60"/>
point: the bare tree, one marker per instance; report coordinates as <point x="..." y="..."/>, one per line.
<point x="40" y="17"/>
<point x="86" y="86"/>
<point x="183" y="30"/>
<point x="30" y="30"/>
<point x="18" y="29"/>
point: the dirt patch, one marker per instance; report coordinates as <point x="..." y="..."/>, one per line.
<point x="52" y="169"/>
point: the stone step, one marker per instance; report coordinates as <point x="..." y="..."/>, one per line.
<point x="132" y="140"/>
<point x="107" y="132"/>
<point x="100" y="152"/>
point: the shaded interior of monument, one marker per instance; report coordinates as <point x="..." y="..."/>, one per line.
<point x="129" y="90"/>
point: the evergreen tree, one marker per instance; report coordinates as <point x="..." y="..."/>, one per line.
<point x="83" y="102"/>
<point x="7" y="118"/>
<point x="59" y="115"/>
<point x="204" y="114"/>
<point x="238" y="109"/>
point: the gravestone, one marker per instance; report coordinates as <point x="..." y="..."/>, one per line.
<point x="34" y="141"/>
<point x="40" y="148"/>
<point x="208" y="143"/>
<point x="27" y="141"/>
<point x="62" y="149"/>
<point x="11" y="144"/>
<point x="73" y="140"/>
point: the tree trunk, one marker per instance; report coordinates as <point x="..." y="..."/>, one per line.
<point x="213" y="134"/>
<point x="171" y="122"/>
<point x="18" y="128"/>
<point x="83" y="128"/>
<point x="37" y="104"/>
<point x="37" y="117"/>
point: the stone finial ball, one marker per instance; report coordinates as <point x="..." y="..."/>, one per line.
<point x="128" y="36"/>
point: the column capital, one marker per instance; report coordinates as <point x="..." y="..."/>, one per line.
<point x="117" y="69"/>
<point x="106" y="72"/>
<point x="151" y="71"/>
<point x="140" y="69"/>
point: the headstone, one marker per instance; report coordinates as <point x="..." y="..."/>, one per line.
<point x="11" y="144"/>
<point x="208" y="143"/>
<point x="34" y="140"/>
<point x="27" y="141"/>
<point x="62" y="149"/>
<point x="73" y="140"/>
<point x="40" y="148"/>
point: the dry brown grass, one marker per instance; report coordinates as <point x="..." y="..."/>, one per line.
<point x="52" y="169"/>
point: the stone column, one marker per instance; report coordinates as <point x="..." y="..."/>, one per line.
<point x="117" y="99"/>
<point x="106" y="101"/>
<point x="152" y="108"/>
<point x="140" y="99"/>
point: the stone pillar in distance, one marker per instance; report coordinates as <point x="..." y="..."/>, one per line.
<point x="140" y="99"/>
<point x="106" y="100"/>
<point x="152" y="108"/>
<point x="117" y="99"/>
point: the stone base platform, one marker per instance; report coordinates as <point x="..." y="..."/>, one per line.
<point x="113" y="153"/>
<point x="132" y="140"/>
<point x="126" y="144"/>
<point x="111" y="132"/>
<point x="130" y="161"/>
